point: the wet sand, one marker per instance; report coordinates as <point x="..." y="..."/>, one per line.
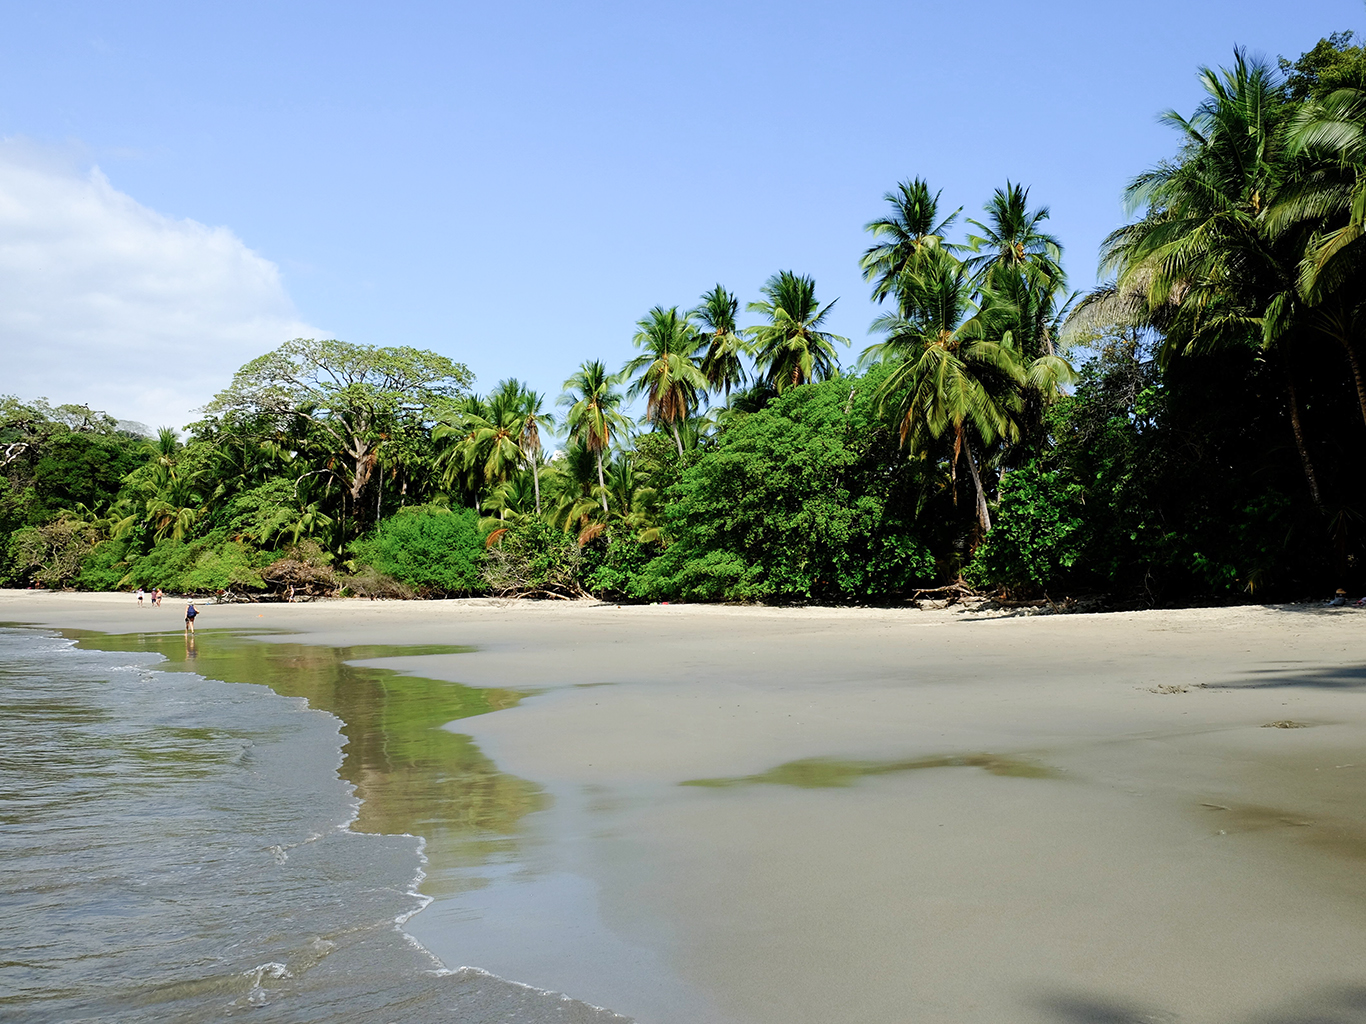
<point x="897" y="815"/>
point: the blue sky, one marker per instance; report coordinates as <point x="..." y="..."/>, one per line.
<point x="514" y="184"/>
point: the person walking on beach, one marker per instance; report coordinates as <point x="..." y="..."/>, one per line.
<point x="156" y="598"/>
<point x="139" y="597"/>
<point x="190" y="614"/>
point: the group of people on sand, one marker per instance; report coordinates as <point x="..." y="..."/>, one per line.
<point x="1340" y="599"/>
<point x="191" y="613"/>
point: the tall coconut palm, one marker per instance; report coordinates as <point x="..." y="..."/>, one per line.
<point x="665" y="372"/>
<point x="723" y="345"/>
<point x="534" y="419"/>
<point x="487" y="449"/>
<point x="1011" y="242"/>
<point x="1328" y="200"/>
<point x="594" y="412"/>
<point x="912" y="229"/>
<point x="791" y="348"/>
<point x="1202" y="254"/>
<point x="952" y="376"/>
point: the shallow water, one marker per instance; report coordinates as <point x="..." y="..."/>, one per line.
<point x="178" y="847"/>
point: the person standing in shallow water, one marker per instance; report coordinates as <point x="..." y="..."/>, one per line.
<point x="190" y="614"/>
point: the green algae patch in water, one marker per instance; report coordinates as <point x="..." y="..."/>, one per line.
<point x="412" y="775"/>
<point x="827" y="773"/>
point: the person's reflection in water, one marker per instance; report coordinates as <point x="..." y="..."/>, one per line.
<point x="190" y="652"/>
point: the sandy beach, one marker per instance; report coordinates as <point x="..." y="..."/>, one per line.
<point x="764" y="816"/>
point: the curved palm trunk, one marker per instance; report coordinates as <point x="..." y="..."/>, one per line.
<point x="983" y="514"/>
<point x="602" y="481"/>
<point x="536" y="480"/>
<point x="1298" y="428"/>
<point x="677" y="440"/>
<point x="1357" y="376"/>
<point x="1337" y="323"/>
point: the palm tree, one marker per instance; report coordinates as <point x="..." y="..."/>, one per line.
<point x="488" y="439"/>
<point x="1011" y="243"/>
<point x="594" y="412"/>
<point x="952" y="372"/>
<point x="1208" y="270"/>
<point x="575" y="500"/>
<point x="668" y="377"/>
<point x="721" y="363"/>
<point x="791" y="348"/>
<point x="1329" y="200"/>
<point x="534" y="419"/>
<point x="911" y="229"/>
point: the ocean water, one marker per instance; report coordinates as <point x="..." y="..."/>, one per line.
<point x="180" y="848"/>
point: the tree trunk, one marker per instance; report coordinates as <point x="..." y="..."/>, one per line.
<point x="983" y="514"/>
<point x="677" y="440"/>
<point x="536" y="480"/>
<point x="1355" y="360"/>
<point x="602" y="482"/>
<point x="1295" y="425"/>
<point x="361" y="475"/>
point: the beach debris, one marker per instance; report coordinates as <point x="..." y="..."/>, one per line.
<point x="1286" y="723"/>
<point x="1166" y="688"/>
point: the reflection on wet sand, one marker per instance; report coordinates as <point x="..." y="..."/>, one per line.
<point x="412" y="775"/>
<point x="825" y="772"/>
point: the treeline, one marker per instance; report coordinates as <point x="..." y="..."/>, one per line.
<point x="1193" y="430"/>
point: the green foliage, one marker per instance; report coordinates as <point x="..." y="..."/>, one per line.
<point x="51" y="554"/>
<point x="1038" y="534"/>
<point x="807" y="499"/>
<point x="203" y="566"/>
<point x="533" y="558"/>
<point x="1332" y="64"/>
<point x="610" y="571"/>
<point x="81" y="468"/>
<point x="105" y="567"/>
<point x="429" y="548"/>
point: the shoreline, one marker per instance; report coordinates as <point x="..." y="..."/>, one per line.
<point x="1176" y="857"/>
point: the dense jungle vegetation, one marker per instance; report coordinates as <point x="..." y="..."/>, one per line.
<point x="1192" y="430"/>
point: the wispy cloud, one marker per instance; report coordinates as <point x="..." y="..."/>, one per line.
<point x="105" y="301"/>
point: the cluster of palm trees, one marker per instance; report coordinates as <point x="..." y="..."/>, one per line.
<point x="494" y="449"/>
<point x="970" y="339"/>
<point x="1252" y="240"/>
<point x="971" y="333"/>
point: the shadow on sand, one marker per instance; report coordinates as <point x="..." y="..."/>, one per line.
<point x="1330" y="1006"/>
<point x="1288" y="674"/>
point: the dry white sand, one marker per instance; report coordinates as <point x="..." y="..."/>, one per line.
<point x="1176" y="861"/>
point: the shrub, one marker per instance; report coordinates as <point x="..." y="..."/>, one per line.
<point x="809" y="498"/>
<point x="1037" y="535"/>
<point x="610" y="571"/>
<point x="52" y="554"/>
<point x="206" y="565"/>
<point x="427" y="547"/>
<point x="533" y="558"/>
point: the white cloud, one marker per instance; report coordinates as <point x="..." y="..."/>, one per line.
<point x="106" y="302"/>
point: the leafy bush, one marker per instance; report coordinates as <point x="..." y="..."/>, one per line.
<point x="610" y="571"/>
<point x="105" y="566"/>
<point x="533" y="558"/>
<point x="52" y="554"/>
<point x="206" y="565"/>
<point x="1037" y="535"/>
<point x="807" y="498"/>
<point x="427" y="547"/>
